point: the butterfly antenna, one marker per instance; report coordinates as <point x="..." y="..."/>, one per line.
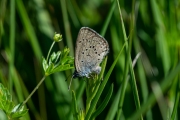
<point x="70" y="82"/>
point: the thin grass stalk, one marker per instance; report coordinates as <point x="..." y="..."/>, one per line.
<point x="12" y="43"/>
<point x="133" y="80"/>
<point x="67" y="26"/>
<point x="103" y="31"/>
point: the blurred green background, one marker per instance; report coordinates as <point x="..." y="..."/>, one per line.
<point x="27" y="28"/>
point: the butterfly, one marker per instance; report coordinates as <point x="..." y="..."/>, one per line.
<point x="90" y="50"/>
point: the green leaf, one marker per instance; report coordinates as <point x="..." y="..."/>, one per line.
<point x="103" y="104"/>
<point x="45" y="65"/>
<point x="57" y="56"/>
<point x="19" y="114"/>
<point x="52" y="58"/>
<point x="65" y="62"/>
<point x="18" y="111"/>
<point x="50" y="68"/>
<point x="64" y="54"/>
<point x="61" y="68"/>
<point x="7" y="105"/>
<point x="16" y="108"/>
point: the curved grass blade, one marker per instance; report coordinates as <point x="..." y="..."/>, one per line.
<point x="104" y="103"/>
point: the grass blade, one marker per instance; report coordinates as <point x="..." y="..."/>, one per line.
<point x="103" y="104"/>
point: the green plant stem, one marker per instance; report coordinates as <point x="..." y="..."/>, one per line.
<point x="50" y="51"/>
<point x="67" y="26"/>
<point x="36" y="88"/>
<point x="122" y="93"/>
<point x="133" y="79"/>
<point x="103" y="31"/>
<point x="12" y="43"/>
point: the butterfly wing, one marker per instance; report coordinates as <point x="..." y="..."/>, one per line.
<point x="91" y="48"/>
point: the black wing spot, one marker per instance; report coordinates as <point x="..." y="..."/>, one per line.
<point x="95" y="52"/>
<point x="82" y="61"/>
